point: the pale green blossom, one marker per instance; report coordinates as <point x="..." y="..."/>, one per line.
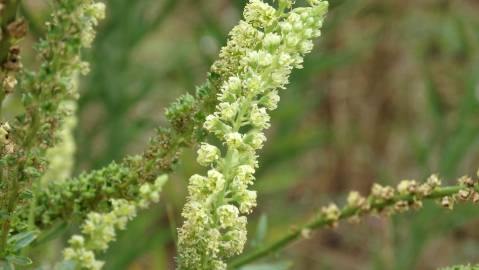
<point x="234" y="139"/>
<point x="207" y="154"/>
<point x="256" y="62"/>
<point x="99" y="229"/>
<point x="4" y="129"/>
<point x="61" y="156"/>
<point x="259" y="14"/>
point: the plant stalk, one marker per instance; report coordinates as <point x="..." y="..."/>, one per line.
<point x="321" y="222"/>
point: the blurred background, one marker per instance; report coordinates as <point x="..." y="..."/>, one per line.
<point x="390" y="92"/>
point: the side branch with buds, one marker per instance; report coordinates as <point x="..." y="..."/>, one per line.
<point x="409" y="194"/>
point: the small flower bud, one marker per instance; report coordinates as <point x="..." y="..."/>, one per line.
<point x="227" y="110"/>
<point x="447" y="202"/>
<point x="306" y="46"/>
<point x="259" y="117"/>
<point x="463" y="194"/>
<point x="433" y="181"/>
<point x="255" y="140"/>
<point x="475" y="197"/>
<point x="355" y="200"/>
<point x="380" y="192"/>
<point x="466" y="181"/>
<point x="286" y="27"/>
<point x="306" y="233"/>
<point x="234" y="139"/>
<point x="270" y="100"/>
<point x="84" y="68"/>
<point x="259" y="58"/>
<point x="244" y="173"/>
<point x="255" y="83"/>
<point x="9" y="83"/>
<point x="407" y="187"/>
<point x="77" y="241"/>
<point x="228" y="215"/>
<point x="401" y="206"/>
<point x="4" y="129"/>
<point x="417" y="204"/>
<point x="207" y="154"/>
<point x="98" y="10"/>
<point x="247" y="201"/>
<point x="292" y="40"/>
<point x="331" y="212"/>
<point x="259" y="14"/>
<point x="214" y="125"/>
<point x="216" y="176"/>
<point x="271" y="40"/>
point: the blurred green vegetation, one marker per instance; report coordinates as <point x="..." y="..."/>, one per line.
<point x="390" y="92"/>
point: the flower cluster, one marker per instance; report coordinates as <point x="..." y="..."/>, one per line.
<point x="99" y="228"/>
<point x="254" y="65"/>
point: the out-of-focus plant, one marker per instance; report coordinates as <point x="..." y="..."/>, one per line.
<point x="27" y="137"/>
<point x="461" y="267"/>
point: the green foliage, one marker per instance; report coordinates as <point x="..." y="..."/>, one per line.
<point x="91" y="191"/>
<point x="33" y="131"/>
<point x="461" y="267"/>
<point x="121" y="81"/>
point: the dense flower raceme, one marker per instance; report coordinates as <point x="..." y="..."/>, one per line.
<point x="61" y="156"/>
<point x="99" y="228"/>
<point x="255" y="63"/>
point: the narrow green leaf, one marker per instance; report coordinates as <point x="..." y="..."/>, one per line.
<point x="4" y="215"/>
<point x="51" y="234"/>
<point x="261" y="230"/>
<point x="19" y="260"/>
<point x="66" y="265"/>
<point x="6" y="266"/>
<point x="22" y="240"/>
<point x="26" y="194"/>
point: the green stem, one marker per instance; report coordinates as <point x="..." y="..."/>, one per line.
<point x="3" y="240"/>
<point x="321" y="222"/>
<point x="15" y="189"/>
<point x="9" y="207"/>
<point x="172" y="222"/>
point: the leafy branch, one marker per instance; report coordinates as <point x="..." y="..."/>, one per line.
<point x="63" y="200"/>
<point x="27" y="137"/>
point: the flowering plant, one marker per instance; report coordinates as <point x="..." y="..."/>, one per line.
<point x="225" y="119"/>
